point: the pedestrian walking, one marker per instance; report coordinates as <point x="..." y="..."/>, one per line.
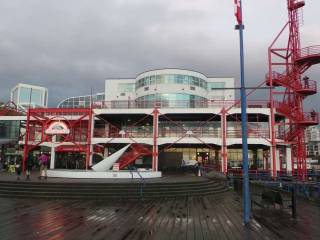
<point x="43" y="162"/>
<point x="18" y="166"/>
<point x="29" y="165"/>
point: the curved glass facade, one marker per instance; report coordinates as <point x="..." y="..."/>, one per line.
<point x="171" y="100"/>
<point x="81" y="101"/>
<point x="171" y="79"/>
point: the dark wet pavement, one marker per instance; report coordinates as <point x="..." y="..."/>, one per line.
<point x="212" y="217"/>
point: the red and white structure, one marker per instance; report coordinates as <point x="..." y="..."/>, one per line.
<point x="161" y="119"/>
<point x="288" y="63"/>
<point x="175" y="117"/>
<point x="169" y="118"/>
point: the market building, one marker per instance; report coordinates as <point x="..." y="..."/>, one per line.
<point x="161" y="120"/>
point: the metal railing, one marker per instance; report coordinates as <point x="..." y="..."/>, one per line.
<point x="286" y="109"/>
<point x="142" y="180"/>
<point x="102" y="133"/>
<point x="307" y="84"/>
<point x="252" y="133"/>
<point x="200" y="132"/>
<point x="309" y="51"/>
<point x="282" y="79"/>
<point x="282" y="175"/>
<point x="275" y="76"/>
<point x="131" y="104"/>
<point x="312" y="117"/>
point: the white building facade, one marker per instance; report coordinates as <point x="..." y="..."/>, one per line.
<point x="29" y="96"/>
<point x="177" y="86"/>
<point x="197" y="118"/>
<point x="170" y="119"/>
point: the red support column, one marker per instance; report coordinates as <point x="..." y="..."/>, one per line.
<point x="89" y="134"/>
<point x="26" y="143"/>
<point x="224" y="154"/>
<point x="155" y="140"/>
<point x="292" y="159"/>
<point x="273" y="140"/>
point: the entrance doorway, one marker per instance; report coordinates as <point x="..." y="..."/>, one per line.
<point x="204" y="158"/>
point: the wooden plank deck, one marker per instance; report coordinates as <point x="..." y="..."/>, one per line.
<point x="211" y="217"/>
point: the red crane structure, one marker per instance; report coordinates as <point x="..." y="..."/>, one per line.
<point x="288" y="89"/>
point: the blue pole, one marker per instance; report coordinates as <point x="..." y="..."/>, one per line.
<point x="245" y="162"/>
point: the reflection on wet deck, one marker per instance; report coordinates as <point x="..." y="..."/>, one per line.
<point x="212" y="217"/>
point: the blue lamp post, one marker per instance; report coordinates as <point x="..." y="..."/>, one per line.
<point x="245" y="163"/>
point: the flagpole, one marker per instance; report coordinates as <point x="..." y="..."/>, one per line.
<point x="245" y="162"/>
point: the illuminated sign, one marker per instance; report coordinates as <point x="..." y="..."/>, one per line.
<point x="57" y="128"/>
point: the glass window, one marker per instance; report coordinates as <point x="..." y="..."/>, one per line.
<point x="215" y="85"/>
<point x="45" y="98"/>
<point x="10" y="129"/>
<point x="196" y="82"/>
<point x="174" y="100"/>
<point x="100" y="97"/>
<point x="25" y="94"/>
<point x="126" y="87"/>
<point x="171" y="79"/>
<point x="152" y="81"/>
<point x="187" y="80"/>
<point x="15" y="95"/>
<point x="36" y="97"/>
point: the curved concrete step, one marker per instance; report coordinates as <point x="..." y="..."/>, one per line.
<point x="110" y="190"/>
<point x="113" y="196"/>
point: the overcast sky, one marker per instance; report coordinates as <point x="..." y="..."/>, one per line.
<point x="71" y="46"/>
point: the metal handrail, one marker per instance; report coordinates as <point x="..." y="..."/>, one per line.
<point x="202" y="132"/>
<point x="252" y="133"/>
<point x="283" y="78"/>
<point x="309" y="51"/>
<point x="133" y="168"/>
<point x="274" y="75"/>
<point x="132" y="104"/>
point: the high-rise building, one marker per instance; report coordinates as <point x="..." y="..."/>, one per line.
<point x="313" y="141"/>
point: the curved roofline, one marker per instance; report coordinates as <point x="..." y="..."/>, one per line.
<point x="80" y="96"/>
<point x="157" y="69"/>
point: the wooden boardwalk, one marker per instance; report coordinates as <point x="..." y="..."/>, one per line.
<point x="211" y="217"/>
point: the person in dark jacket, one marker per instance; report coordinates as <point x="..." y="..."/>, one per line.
<point x="29" y="165"/>
<point x="18" y="166"/>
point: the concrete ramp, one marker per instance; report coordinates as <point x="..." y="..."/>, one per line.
<point x="107" y="163"/>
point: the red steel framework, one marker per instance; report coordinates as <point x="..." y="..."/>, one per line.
<point x="286" y="66"/>
<point x="10" y="109"/>
<point x="138" y="149"/>
<point x="79" y="122"/>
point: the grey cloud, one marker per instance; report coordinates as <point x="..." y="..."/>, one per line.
<point x="72" y="46"/>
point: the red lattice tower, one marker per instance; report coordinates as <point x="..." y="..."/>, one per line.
<point x="287" y="64"/>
